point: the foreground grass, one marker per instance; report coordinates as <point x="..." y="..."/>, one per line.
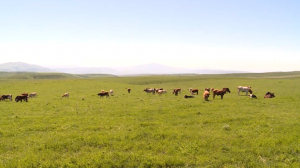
<point x="145" y="130"/>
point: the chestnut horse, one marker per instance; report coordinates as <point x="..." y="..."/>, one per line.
<point x="206" y="95"/>
<point x="220" y="92"/>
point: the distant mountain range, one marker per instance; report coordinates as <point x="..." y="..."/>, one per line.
<point x="23" y="67"/>
<point x="145" y="69"/>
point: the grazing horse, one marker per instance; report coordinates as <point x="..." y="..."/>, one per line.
<point x="160" y="92"/>
<point x="33" y="94"/>
<point x="1" y="99"/>
<point x="25" y="94"/>
<point x="20" y="98"/>
<point x="65" y="95"/>
<point x="269" y="95"/>
<point x="111" y="92"/>
<point x="149" y="90"/>
<point x="207" y="89"/>
<point x="9" y="97"/>
<point x="206" y="95"/>
<point x="193" y="91"/>
<point x="178" y="90"/>
<point x="186" y="96"/>
<point x="158" y="89"/>
<point x="101" y="94"/>
<point x="128" y="90"/>
<point x="226" y="89"/>
<point x="244" y="89"/>
<point x="252" y="96"/>
<point x="219" y="93"/>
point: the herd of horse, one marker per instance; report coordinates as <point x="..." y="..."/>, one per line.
<point x="160" y="91"/>
<point x="206" y="93"/>
<point x="23" y="96"/>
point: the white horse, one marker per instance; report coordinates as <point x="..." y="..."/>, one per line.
<point x="33" y="94"/>
<point x="244" y="89"/>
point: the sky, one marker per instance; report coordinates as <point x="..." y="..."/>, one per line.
<point x="257" y="36"/>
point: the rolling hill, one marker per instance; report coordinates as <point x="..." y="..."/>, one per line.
<point x="23" y="67"/>
<point x="22" y="70"/>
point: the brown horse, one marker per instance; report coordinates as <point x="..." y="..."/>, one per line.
<point x="207" y="89"/>
<point x="65" y="95"/>
<point x="178" y="90"/>
<point x="193" y="91"/>
<point x="219" y="93"/>
<point x="206" y="95"/>
<point x="226" y="89"/>
<point x="25" y="94"/>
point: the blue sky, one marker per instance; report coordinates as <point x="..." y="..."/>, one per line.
<point x="229" y="35"/>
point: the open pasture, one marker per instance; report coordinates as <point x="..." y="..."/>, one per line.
<point x="144" y="130"/>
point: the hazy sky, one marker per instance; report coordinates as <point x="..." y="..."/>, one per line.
<point x="250" y="35"/>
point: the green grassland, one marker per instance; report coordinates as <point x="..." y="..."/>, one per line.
<point x="146" y="130"/>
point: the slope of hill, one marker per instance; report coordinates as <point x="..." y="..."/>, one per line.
<point x="23" y="67"/>
<point x="139" y="70"/>
<point x="144" y="69"/>
<point x="152" y="69"/>
<point x="88" y="70"/>
<point x="34" y="75"/>
<point x="46" y="75"/>
<point x="213" y="71"/>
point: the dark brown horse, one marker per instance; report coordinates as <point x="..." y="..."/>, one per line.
<point x="226" y="89"/>
<point x="219" y="93"/>
<point x="9" y="97"/>
<point x="269" y="95"/>
<point x="21" y="97"/>
<point x="101" y="94"/>
<point x="186" y="96"/>
<point x="176" y="91"/>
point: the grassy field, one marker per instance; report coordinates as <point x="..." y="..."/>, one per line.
<point x="146" y="130"/>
